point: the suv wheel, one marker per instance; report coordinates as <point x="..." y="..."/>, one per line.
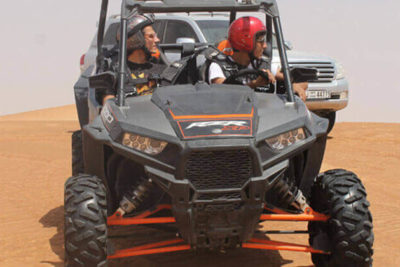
<point x="331" y="116"/>
<point x="348" y="233"/>
<point x="85" y="225"/>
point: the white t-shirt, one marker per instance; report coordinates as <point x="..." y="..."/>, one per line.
<point x="215" y="71"/>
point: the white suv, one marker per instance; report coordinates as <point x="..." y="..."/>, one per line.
<point x="325" y="96"/>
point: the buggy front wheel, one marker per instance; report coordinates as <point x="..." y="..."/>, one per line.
<point x="348" y="233"/>
<point x="85" y="225"/>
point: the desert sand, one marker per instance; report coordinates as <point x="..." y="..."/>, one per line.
<point x="35" y="162"/>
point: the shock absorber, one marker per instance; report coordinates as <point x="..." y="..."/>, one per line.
<point x="289" y="194"/>
<point x="133" y="198"/>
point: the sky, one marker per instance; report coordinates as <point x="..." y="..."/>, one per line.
<point x="43" y="40"/>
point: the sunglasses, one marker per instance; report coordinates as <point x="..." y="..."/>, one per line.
<point x="261" y="39"/>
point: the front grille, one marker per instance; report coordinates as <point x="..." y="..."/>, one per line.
<point x="220" y="196"/>
<point x="219" y="169"/>
<point x="326" y="70"/>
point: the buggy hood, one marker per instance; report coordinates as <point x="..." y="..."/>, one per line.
<point x="201" y="111"/>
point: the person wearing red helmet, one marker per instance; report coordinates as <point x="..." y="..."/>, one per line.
<point x="247" y="38"/>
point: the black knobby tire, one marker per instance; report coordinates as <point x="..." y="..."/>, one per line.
<point x="348" y="233"/>
<point x="85" y="225"/>
<point x="77" y="153"/>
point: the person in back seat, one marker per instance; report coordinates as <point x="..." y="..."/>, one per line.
<point x="247" y="38"/>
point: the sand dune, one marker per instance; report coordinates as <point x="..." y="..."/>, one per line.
<point x="35" y="162"/>
<point x="64" y="113"/>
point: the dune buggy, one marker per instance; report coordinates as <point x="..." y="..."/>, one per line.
<point x="215" y="160"/>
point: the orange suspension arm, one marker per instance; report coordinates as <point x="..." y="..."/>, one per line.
<point x="117" y="219"/>
<point x="276" y="245"/>
<point x="153" y="248"/>
<point x="308" y="215"/>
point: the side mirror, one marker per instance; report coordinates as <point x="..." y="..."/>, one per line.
<point x="300" y="75"/>
<point x="289" y="45"/>
<point x="103" y="80"/>
<point x="185" y="40"/>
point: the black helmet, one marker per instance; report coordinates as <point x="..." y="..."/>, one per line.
<point x="135" y="38"/>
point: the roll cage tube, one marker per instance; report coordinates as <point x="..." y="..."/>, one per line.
<point x="232" y="17"/>
<point x="268" y="23"/>
<point x="122" y="55"/>
<point x="269" y="7"/>
<point x="283" y="56"/>
<point x="100" y="35"/>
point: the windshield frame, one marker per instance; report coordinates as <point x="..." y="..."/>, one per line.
<point x="129" y="7"/>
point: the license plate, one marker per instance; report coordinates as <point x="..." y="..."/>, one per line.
<point x="317" y="94"/>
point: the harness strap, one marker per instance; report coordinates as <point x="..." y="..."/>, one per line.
<point x="172" y="72"/>
<point x="228" y="67"/>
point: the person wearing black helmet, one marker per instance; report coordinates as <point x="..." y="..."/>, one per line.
<point x="141" y="44"/>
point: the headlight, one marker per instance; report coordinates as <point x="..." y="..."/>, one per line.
<point x="286" y="139"/>
<point x="144" y="144"/>
<point x="344" y="95"/>
<point x="339" y="71"/>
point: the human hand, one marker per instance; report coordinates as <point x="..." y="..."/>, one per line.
<point x="261" y="81"/>
<point x="300" y="89"/>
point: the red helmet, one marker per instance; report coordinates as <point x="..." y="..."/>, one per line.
<point x="243" y="31"/>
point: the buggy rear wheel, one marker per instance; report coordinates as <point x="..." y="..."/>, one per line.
<point x="77" y="153"/>
<point x="85" y="225"/>
<point x="348" y="233"/>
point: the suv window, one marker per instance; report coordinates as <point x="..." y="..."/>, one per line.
<point x="157" y="26"/>
<point x="214" y="30"/>
<point x="177" y="29"/>
<point x="217" y="30"/>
